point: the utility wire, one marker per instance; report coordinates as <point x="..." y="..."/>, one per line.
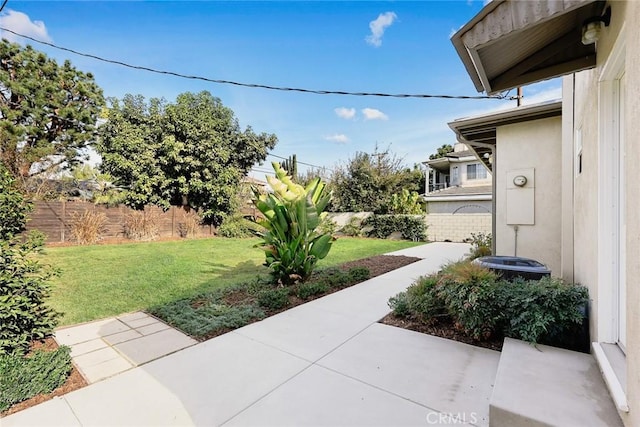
<point x="249" y="85"/>
<point x="3" y="5"/>
<point x="297" y="161"/>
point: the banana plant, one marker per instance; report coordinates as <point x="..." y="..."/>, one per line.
<point x="291" y="215"/>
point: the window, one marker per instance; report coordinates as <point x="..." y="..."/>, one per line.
<point x="454" y="175"/>
<point x="476" y="171"/>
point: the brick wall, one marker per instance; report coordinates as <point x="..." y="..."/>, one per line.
<point x="456" y="227"/>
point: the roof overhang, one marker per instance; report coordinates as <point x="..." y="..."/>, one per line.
<point x="479" y="132"/>
<point x="512" y="43"/>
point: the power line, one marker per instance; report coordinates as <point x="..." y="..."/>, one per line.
<point x="249" y="85"/>
<point x="3" y="5"/>
<point x="299" y="162"/>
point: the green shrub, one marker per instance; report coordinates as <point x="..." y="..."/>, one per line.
<point x="13" y="207"/>
<point x="480" y="245"/>
<point x="474" y="307"/>
<point x="358" y="274"/>
<point x="24" y="377"/>
<point x="274" y="299"/>
<point x="332" y="277"/>
<point x="406" y="202"/>
<point x="411" y="227"/>
<point x="327" y="226"/>
<point x="467" y="272"/>
<point x="548" y="310"/>
<point x="482" y="305"/>
<point x="310" y="289"/>
<point x="353" y="227"/>
<point x="292" y="214"/>
<point x="424" y="300"/>
<point x="24" y="315"/>
<point x="399" y="304"/>
<point x="236" y="227"/>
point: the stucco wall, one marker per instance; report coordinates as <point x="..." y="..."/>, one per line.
<point x="591" y="253"/>
<point x="456" y="227"/>
<point x="464" y="179"/>
<point x="632" y="146"/>
<point x="531" y="145"/>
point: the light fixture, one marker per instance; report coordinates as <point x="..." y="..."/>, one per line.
<point x="592" y="27"/>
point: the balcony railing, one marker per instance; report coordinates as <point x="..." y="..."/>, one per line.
<point x="438" y="186"/>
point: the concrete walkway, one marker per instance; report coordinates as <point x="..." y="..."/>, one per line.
<point x="108" y="347"/>
<point x="326" y="362"/>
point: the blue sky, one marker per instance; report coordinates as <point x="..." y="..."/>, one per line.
<point x="393" y="47"/>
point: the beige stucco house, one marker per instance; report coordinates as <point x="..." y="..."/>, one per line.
<point x="566" y="185"/>
<point x="522" y="142"/>
<point x="459" y="195"/>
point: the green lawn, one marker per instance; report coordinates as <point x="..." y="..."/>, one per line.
<point x="106" y="280"/>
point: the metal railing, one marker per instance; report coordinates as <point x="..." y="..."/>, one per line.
<point x="438" y="186"/>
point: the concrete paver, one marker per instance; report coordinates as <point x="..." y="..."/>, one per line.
<point x="121" y="337"/>
<point x="54" y="412"/>
<point x="89" y="331"/>
<point x="108" y="347"/>
<point x="305" y="331"/>
<point x="447" y="376"/>
<point x="321" y="397"/>
<point x="106" y="369"/>
<point x="133" y="398"/>
<point x="219" y="378"/>
<point x="87" y="347"/>
<point x="149" y="347"/>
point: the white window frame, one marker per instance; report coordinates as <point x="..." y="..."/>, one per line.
<point x="608" y="270"/>
<point x="478" y="168"/>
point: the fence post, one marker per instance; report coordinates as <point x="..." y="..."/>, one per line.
<point x="173" y="220"/>
<point x="62" y="220"/>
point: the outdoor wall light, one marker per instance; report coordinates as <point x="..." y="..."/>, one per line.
<point x="489" y="157"/>
<point x="592" y="27"/>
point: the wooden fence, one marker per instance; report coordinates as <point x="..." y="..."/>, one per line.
<point x="55" y="220"/>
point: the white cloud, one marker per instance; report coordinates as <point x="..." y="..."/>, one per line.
<point x="552" y="94"/>
<point x="21" y="23"/>
<point x="340" y="138"/>
<point x="373" y="114"/>
<point x="345" y="113"/>
<point x="378" y="27"/>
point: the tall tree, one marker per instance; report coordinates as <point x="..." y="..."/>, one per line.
<point x="190" y="152"/>
<point x="441" y="151"/>
<point x="48" y="111"/>
<point x="367" y="182"/>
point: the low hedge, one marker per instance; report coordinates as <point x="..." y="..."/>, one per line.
<point x="480" y="304"/>
<point x="411" y="227"/>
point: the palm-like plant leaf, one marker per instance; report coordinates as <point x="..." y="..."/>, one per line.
<point x="292" y="214"/>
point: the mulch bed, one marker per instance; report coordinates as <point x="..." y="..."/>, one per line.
<point x="443" y="328"/>
<point x="377" y="265"/>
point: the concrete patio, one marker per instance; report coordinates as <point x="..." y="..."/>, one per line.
<point x="327" y="362"/>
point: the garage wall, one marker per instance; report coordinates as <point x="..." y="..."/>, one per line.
<point x="456" y="227"/>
